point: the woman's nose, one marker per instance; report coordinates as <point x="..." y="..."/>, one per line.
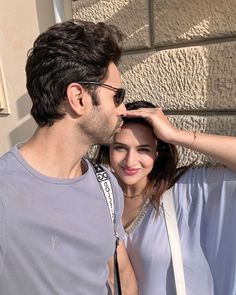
<point x="131" y="159"/>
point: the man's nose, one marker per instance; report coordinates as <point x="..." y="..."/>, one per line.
<point x="121" y="110"/>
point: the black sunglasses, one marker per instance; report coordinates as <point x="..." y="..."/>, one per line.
<point x="120" y="92"/>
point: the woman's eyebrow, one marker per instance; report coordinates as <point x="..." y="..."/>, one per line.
<point x="145" y="145"/>
<point x="126" y="145"/>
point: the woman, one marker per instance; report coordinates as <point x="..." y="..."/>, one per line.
<point x="144" y="159"/>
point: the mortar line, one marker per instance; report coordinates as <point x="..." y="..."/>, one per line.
<point x="193" y="43"/>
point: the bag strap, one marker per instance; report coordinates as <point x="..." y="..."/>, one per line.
<point x="105" y="184"/>
<point x="174" y="241"/>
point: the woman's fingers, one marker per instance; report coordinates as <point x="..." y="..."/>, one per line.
<point x="157" y="119"/>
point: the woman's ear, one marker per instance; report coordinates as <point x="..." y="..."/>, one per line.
<point x="76" y="96"/>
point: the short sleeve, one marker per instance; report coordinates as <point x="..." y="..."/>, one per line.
<point x="205" y="189"/>
<point x="206" y="208"/>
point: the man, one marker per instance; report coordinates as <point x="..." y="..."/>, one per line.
<point x="56" y="234"/>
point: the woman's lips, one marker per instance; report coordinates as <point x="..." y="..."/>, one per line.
<point x="130" y="171"/>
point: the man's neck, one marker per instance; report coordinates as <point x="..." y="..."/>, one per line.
<point x="54" y="153"/>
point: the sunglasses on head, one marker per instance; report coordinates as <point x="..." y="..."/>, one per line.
<point x="120" y="92"/>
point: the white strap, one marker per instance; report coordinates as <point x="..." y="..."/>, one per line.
<point x="105" y="184"/>
<point x="174" y="241"/>
<point x="104" y="181"/>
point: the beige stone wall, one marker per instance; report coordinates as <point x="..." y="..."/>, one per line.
<point x="179" y="54"/>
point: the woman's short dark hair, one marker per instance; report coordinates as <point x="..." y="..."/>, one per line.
<point x="68" y="52"/>
<point x="165" y="172"/>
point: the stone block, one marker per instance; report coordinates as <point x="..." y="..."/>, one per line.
<point x="130" y="16"/>
<point x="188" y="78"/>
<point x="187" y="20"/>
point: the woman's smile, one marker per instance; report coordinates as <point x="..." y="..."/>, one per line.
<point x="130" y="171"/>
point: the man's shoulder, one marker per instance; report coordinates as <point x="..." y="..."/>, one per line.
<point x="4" y="159"/>
<point x="6" y="163"/>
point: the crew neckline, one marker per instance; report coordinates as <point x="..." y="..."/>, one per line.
<point x="41" y="176"/>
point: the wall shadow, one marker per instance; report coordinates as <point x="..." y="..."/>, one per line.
<point x="23" y="132"/>
<point x="23" y="106"/>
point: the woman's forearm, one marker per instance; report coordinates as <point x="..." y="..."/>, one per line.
<point x="222" y="148"/>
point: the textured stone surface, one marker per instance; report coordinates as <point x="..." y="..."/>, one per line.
<point x="189" y="78"/>
<point x="178" y="21"/>
<point x="206" y="124"/>
<point x="130" y="16"/>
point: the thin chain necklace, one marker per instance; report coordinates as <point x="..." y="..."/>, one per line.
<point x="133" y="196"/>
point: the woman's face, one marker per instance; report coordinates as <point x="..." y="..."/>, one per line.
<point x="133" y="153"/>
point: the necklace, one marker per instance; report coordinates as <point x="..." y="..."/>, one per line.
<point x="133" y="196"/>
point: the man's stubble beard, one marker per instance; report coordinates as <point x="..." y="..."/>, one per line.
<point x="96" y="128"/>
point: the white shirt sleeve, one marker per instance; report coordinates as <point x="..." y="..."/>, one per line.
<point x="206" y="206"/>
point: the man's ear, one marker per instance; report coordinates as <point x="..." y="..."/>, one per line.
<point x="76" y="96"/>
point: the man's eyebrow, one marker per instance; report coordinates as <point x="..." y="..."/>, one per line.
<point x="120" y="143"/>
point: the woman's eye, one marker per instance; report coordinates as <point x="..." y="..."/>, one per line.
<point x="119" y="148"/>
<point x="144" y="150"/>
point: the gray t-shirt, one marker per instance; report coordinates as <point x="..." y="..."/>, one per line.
<point x="56" y="236"/>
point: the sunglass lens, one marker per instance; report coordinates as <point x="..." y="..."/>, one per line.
<point x="120" y="95"/>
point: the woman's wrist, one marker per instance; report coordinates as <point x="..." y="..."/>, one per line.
<point x="194" y="137"/>
<point x="185" y="138"/>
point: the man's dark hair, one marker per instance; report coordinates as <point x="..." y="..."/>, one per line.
<point x="68" y="52"/>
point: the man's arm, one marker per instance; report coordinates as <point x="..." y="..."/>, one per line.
<point x="127" y="276"/>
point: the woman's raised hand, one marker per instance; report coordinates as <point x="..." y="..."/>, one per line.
<point x="162" y="128"/>
<point x="219" y="147"/>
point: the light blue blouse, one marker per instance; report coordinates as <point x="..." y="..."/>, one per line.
<point x="205" y="201"/>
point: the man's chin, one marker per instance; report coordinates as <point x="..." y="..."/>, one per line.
<point x="109" y="139"/>
<point x="106" y="141"/>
